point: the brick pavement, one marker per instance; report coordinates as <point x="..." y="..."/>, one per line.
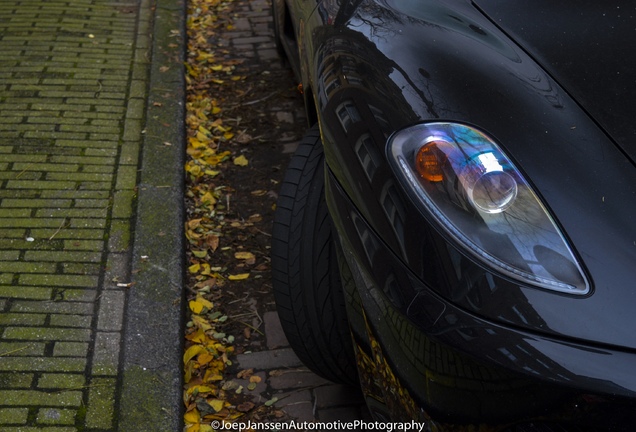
<point x="74" y="78"/>
<point x="303" y="395"/>
<point x="90" y="242"/>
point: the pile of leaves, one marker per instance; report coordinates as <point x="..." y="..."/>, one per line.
<point x="227" y="245"/>
<point x="208" y="349"/>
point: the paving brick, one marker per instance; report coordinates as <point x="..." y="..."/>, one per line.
<point x="17" y="319"/>
<point x="111" y="310"/>
<point x="91" y="203"/>
<point x="71" y="321"/>
<point x="58" y="280"/>
<point x="61" y="381"/>
<point x="20" y="292"/>
<point x="296" y="379"/>
<point x="65" y="233"/>
<point x="35" y="398"/>
<point x="123" y="204"/>
<point x="52" y="307"/>
<point x="129" y="153"/>
<point x="101" y="403"/>
<point x="13" y="415"/>
<point x="106" y="353"/>
<point x="80" y="244"/>
<point x="25" y="184"/>
<point x="87" y="223"/>
<point x="42" y="364"/>
<point x="73" y="213"/>
<point x="274" y="359"/>
<point x="99" y="145"/>
<point x="77" y="295"/>
<point x="14" y="213"/>
<point x="297" y="404"/>
<point x="70" y="349"/>
<point x="16" y="380"/>
<point x="126" y="177"/>
<point x="46" y="333"/>
<point x="21" y="349"/>
<point x="25" y="166"/>
<point x="119" y="240"/>
<point x="62" y="256"/>
<point x="8" y="202"/>
<point x="26" y="267"/>
<point x="81" y="269"/>
<point x="9" y="255"/>
<point x="56" y="416"/>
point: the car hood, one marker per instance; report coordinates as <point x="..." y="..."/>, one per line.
<point x="587" y="47"/>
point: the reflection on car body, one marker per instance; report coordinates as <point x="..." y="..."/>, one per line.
<point x="483" y="206"/>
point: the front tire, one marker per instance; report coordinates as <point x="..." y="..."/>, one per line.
<point x="306" y="280"/>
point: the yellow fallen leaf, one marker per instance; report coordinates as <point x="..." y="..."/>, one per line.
<point x="193" y="169"/>
<point x="205" y="131"/>
<point x="201" y="389"/>
<point x="200" y="253"/>
<point x="192" y="416"/>
<point x="241" y="161"/>
<point x="244" y="255"/>
<point x="197" y="336"/>
<point x="216" y="404"/>
<point x="208" y="198"/>
<point x="215" y="378"/>
<point x="237" y="277"/>
<point x="202" y="323"/>
<point x="195" y="306"/>
<point x="208" y="304"/>
<point x="205" y="269"/>
<point x="194" y="268"/>
<point x="194" y="350"/>
<point x="204" y="358"/>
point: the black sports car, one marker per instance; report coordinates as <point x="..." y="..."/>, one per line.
<point x="457" y="231"/>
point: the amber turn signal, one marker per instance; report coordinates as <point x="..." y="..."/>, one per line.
<point x="430" y="160"/>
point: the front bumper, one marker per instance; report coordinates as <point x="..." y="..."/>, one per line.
<point x="421" y="356"/>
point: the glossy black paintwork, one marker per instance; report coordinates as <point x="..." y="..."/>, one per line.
<point x="391" y="70"/>
<point x="373" y="67"/>
<point x="588" y="47"/>
<point x="461" y="369"/>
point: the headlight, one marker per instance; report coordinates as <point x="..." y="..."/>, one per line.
<point x="477" y="196"/>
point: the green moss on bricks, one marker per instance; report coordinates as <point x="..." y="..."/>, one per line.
<point x="61" y="381"/>
<point x="13" y="415"/>
<point x="120" y="237"/>
<point x="11" y="380"/>
<point x="38" y="398"/>
<point x="56" y="416"/>
<point x="101" y="403"/>
<point x="70" y="349"/>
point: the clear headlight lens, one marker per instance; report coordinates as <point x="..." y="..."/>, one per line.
<point x="475" y="193"/>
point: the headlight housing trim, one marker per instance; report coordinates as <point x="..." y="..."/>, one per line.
<point x="500" y="220"/>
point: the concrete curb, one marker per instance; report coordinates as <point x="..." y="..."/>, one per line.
<point x="153" y="341"/>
